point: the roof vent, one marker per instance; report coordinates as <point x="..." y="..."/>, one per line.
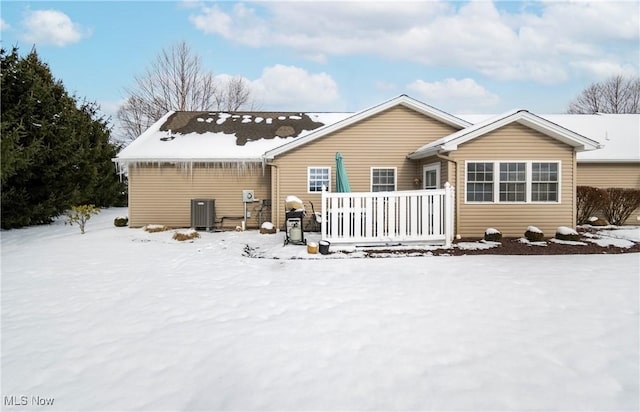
<point x="168" y="138"/>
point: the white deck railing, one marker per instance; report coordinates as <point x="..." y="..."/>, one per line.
<point x="384" y="217"/>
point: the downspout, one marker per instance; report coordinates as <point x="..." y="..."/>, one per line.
<point x="458" y="196"/>
<point x="277" y="194"/>
<point x="574" y="208"/>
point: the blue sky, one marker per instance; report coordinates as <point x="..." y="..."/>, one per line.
<point x="462" y="57"/>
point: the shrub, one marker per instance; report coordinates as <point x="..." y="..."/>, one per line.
<point x="156" y="228"/>
<point x="565" y="233"/>
<point x="267" y="227"/>
<point x="621" y="203"/>
<point x="492" y="235"/>
<point x="121" y="221"/>
<point x="596" y="221"/>
<point x="533" y="234"/>
<point x="589" y="200"/>
<point x="182" y="236"/>
<point x="80" y="215"/>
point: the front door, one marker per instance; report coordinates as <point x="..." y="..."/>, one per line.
<point x="431" y="176"/>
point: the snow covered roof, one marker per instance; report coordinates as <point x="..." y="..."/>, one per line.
<point x="228" y="137"/>
<point x="221" y="136"/>
<point x="556" y="131"/>
<point x="618" y="134"/>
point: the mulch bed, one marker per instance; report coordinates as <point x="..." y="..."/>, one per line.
<point x="513" y="246"/>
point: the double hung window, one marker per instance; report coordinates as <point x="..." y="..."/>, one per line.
<point x="383" y="179"/>
<point x="317" y="177"/>
<point x="513" y="182"/>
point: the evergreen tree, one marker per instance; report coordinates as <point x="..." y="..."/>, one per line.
<point x="55" y="152"/>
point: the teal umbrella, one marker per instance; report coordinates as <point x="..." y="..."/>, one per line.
<point x="342" y="181"/>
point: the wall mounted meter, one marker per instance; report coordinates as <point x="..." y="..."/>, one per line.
<point x="248" y="196"/>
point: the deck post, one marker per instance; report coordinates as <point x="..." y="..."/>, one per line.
<point x="448" y="214"/>
<point x="324" y="213"/>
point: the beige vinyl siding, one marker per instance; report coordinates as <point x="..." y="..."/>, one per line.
<point x="606" y="175"/>
<point x="162" y="194"/>
<point x="383" y="140"/>
<point x="515" y="142"/>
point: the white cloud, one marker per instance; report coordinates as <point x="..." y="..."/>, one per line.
<point x="538" y="43"/>
<point x="4" y="25"/>
<point x="213" y="20"/>
<point x="602" y="69"/>
<point x="461" y="96"/>
<point x="293" y="88"/>
<point x="51" y="27"/>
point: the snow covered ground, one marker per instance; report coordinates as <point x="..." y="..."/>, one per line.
<point x="122" y="319"/>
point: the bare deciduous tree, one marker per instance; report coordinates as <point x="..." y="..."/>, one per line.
<point x="236" y="94"/>
<point x="617" y="94"/>
<point x="176" y="80"/>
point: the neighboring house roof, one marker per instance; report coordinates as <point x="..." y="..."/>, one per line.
<point x="221" y="136"/>
<point x="618" y="134"/>
<point x="403" y="100"/>
<point x="452" y="141"/>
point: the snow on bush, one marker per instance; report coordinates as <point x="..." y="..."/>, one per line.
<point x="267" y="227"/>
<point x="156" y="228"/>
<point x="596" y="221"/>
<point x="492" y="235"/>
<point x="186" y="235"/>
<point x="566" y="233"/>
<point x="121" y="221"/>
<point x="533" y="234"/>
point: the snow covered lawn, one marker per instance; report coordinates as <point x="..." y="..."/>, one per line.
<point x="122" y="319"/>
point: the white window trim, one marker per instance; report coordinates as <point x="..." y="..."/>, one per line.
<point x="431" y="166"/>
<point x="309" y="178"/>
<point x="395" y="176"/>
<point x="496" y="182"/>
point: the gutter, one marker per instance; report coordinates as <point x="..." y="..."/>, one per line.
<point x="422" y="154"/>
<point x="187" y="160"/>
<point x="617" y="161"/>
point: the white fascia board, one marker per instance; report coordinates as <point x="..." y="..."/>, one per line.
<point x="400" y="100"/>
<point x="451" y="142"/>
<point x="580" y="142"/>
<point x="530" y="120"/>
<point x="308" y="138"/>
<point x="430" y="111"/>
